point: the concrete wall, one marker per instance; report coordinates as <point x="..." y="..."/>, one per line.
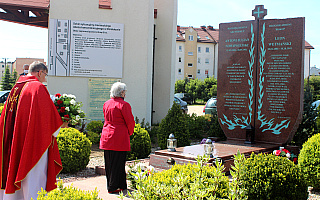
<point x="165" y="57"/>
<point x="138" y="20"/>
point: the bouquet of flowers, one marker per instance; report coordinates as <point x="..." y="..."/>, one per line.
<point x="285" y="153"/>
<point x="69" y="109"/>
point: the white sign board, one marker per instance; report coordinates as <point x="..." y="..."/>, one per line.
<point x="86" y="49"/>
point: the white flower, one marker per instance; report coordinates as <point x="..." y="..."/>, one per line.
<point x="288" y="155"/>
<point x="73" y="102"/>
<point x="79" y="110"/>
<point x="71" y="96"/>
<point x="77" y="117"/>
<point x="64" y="95"/>
<point x="67" y="109"/>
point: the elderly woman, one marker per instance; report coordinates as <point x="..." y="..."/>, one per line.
<point x="115" y="137"/>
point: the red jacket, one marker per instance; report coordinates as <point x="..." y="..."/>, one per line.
<point x="28" y="120"/>
<point x="118" y="126"/>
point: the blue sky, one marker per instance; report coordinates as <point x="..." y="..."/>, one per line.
<point x="25" y="41"/>
<point x="213" y="12"/>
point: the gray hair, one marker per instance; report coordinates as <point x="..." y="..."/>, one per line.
<point x="37" y="66"/>
<point x="25" y="67"/>
<point x="117" y="88"/>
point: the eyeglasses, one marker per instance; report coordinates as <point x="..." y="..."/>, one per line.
<point x="44" y="73"/>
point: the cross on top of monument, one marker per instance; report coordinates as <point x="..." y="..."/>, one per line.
<point x="259" y="12"/>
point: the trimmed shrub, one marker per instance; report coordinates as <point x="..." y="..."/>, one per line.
<point x="95" y="126"/>
<point x="93" y="137"/>
<point x="74" y="148"/>
<point x="140" y="144"/>
<point x="266" y="176"/>
<point x="69" y="192"/>
<point x="309" y="161"/>
<point x="196" y="125"/>
<point x="175" y="122"/>
<point x="191" y="181"/>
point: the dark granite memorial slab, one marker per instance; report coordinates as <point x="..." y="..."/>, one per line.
<point x="261" y="78"/>
<point x="223" y="150"/>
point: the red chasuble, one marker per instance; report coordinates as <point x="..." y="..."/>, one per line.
<point x="27" y="122"/>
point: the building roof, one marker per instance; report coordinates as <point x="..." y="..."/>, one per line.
<point x="29" y="12"/>
<point x="32" y="12"/>
<point x="205" y="34"/>
<point x="307" y="45"/>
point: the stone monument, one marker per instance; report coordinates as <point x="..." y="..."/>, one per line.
<point x="260" y="89"/>
<point x="260" y="81"/>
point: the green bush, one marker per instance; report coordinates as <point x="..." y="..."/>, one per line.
<point x="95" y="126"/>
<point x="68" y="193"/>
<point x="213" y="127"/>
<point x="175" y="122"/>
<point x="309" y="161"/>
<point x="266" y="176"/>
<point x="140" y="144"/>
<point x="93" y="137"/>
<point x="191" y="181"/>
<point x="196" y="125"/>
<point x="75" y="149"/>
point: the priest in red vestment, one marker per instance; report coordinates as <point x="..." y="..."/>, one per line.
<point x="29" y="123"/>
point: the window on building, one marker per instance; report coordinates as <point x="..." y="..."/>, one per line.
<point x="191" y="37"/>
<point x="179" y="59"/>
<point x="207" y="50"/>
<point x="207" y="61"/>
<point x="199" y="49"/>
<point x="190" y="53"/>
<point x="207" y="37"/>
<point x="179" y="71"/>
<point x="178" y="35"/>
<point x="190" y="76"/>
<point x="2" y="66"/>
<point x="199" y="60"/>
<point x="198" y="71"/>
<point x="198" y="37"/>
<point x="206" y="72"/>
<point x="180" y="48"/>
<point x="190" y="64"/>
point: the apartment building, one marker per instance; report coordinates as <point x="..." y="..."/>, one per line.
<point x="3" y="66"/>
<point x="197" y="53"/>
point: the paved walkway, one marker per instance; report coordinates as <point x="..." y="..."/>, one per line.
<point x="98" y="182"/>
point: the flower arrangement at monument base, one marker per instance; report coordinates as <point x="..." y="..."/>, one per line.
<point x="69" y="109"/>
<point x="286" y="153"/>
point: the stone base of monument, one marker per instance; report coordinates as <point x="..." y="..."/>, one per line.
<point x="225" y="150"/>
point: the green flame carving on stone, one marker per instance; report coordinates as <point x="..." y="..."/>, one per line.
<point x="243" y="122"/>
<point x="269" y="124"/>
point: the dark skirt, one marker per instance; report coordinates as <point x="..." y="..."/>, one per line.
<point x="115" y="162"/>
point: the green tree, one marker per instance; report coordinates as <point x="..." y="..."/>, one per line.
<point x="314" y="82"/>
<point x="13" y="78"/>
<point x="195" y="88"/>
<point x="6" y="80"/>
<point x="210" y="88"/>
<point x="175" y="122"/>
<point x="179" y="86"/>
<point x="307" y="127"/>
